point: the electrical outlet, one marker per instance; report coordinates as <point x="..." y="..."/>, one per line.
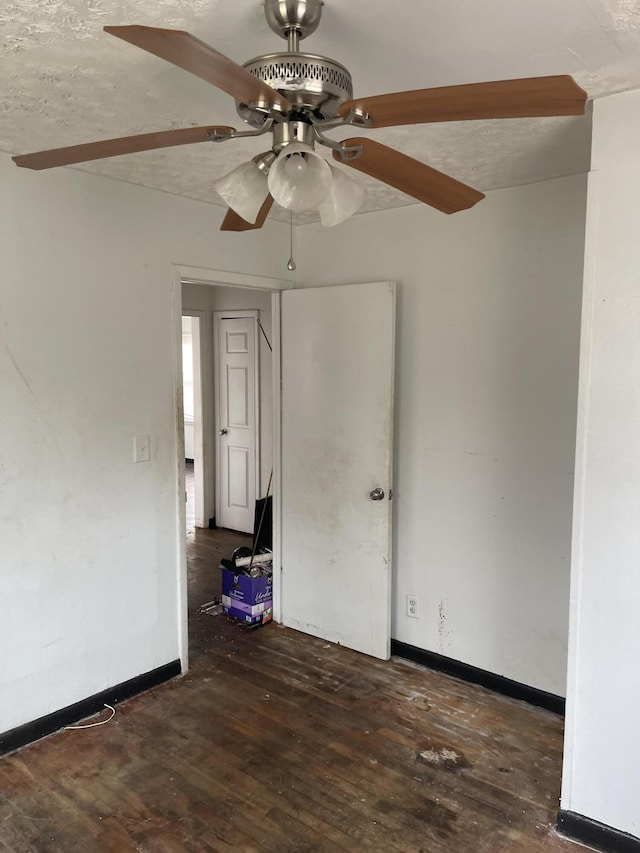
<point x="413" y="606"/>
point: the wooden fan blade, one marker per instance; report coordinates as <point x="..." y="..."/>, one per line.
<point x="193" y="55"/>
<point x="114" y="147"/>
<point x="233" y="222"/>
<point x="412" y="177"/>
<point x="529" y="97"/>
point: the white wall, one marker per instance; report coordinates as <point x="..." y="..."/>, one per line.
<point x="206" y="299"/>
<point x="89" y="540"/>
<point x="602" y="747"/>
<point x="487" y="342"/>
<point x="486" y="385"/>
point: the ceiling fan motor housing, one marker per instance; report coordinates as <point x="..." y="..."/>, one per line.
<point x="309" y="82"/>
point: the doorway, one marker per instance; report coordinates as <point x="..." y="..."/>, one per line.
<point x="192" y="419"/>
<point x="350" y="389"/>
<point x="209" y="535"/>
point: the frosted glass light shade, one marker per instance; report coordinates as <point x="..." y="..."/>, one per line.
<point x="299" y="179"/>
<point x="244" y="190"/>
<point x="342" y="201"/>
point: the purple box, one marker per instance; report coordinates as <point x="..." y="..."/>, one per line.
<point x="249" y="599"/>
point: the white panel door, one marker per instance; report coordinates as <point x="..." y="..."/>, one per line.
<point x="337" y="418"/>
<point x="237" y="383"/>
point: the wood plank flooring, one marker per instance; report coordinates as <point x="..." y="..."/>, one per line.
<point x="275" y="741"/>
<point x="205" y="549"/>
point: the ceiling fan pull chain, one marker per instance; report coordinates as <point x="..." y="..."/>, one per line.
<point x="292" y="264"/>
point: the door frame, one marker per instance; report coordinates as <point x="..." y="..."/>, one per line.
<point x="217" y="317"/>
<point x="184" y="274"/>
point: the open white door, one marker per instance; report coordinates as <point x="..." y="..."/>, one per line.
<point x="337" y="421"/>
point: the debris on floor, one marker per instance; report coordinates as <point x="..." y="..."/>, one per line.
<point x="443" y="757"/>
<point x="211" y="608"/>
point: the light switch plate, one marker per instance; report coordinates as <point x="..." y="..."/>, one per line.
<point x="141" y="448"/>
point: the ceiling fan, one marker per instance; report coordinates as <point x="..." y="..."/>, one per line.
<point x="298" y="97"/>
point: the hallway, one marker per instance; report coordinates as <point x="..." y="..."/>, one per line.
<point x="205" y="549"/>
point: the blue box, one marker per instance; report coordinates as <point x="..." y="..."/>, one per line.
<point x="248" y="599"/>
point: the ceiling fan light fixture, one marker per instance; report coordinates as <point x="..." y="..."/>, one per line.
<point x="299" y="179"/>
<point x="342" y="201"/>
<point x="244" y="190"/>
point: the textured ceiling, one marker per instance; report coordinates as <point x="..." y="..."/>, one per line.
<point x="65" y="81"/>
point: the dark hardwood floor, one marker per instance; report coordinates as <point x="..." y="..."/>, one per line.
<point x="205" y="549"/>
<point x="276" y="741"/>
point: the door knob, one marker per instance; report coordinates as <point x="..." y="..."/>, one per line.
<point x="222" y="432"/>
<point x="377" y="494"/>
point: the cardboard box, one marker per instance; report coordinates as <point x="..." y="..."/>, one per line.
<point x="248" y="599"/>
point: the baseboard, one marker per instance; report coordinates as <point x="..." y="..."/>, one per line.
<point x="598" y="835"/>
<point x="29" y="732"/>
<point x="482" y="677"/>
